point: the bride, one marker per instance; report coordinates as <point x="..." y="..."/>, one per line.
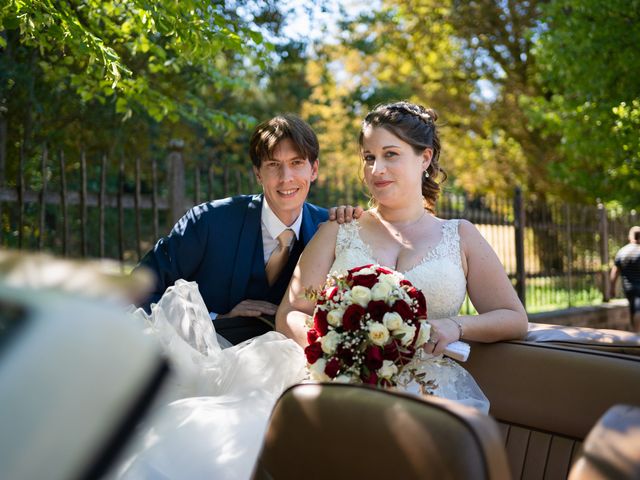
<point x="400" y="150"/>
<point x="219" y="405"/>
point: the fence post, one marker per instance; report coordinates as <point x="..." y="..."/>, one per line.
<point x="83" y="203"/>
<point x="3" y="163"/>
<point x="567" y="216"/>
<point x="519" y="224"/>
<point x="20" y="188"/>
<point x="63" y="205"/>
<point x="604" y="251"/>
<point x="176" y="181"/>
<point x="43" y="197"/>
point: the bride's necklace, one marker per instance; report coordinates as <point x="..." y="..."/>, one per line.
<point x="398" y="231"/>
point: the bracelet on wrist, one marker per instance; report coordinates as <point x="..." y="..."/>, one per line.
<point x="459" y="325"/>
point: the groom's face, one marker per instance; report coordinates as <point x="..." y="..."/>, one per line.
<point x="285" y="179"/>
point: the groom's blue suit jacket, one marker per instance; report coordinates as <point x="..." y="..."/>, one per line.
<point x="218" y="244"/>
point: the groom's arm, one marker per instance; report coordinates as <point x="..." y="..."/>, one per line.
<point x="176" y="256"/>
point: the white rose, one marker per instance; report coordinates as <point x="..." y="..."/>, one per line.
<point x="361" y="295"/>
<point x="392" y="320"/>
<point x="365" y="271"/>
<point x="330" y="342"/>
<point x="381" y="291"/>
<point x="335" y="317"/>
<point x="390" y="279"/>
<point x="424" y="334"/>
<point x="342" y="378"/>
<point x="388" y="369"/>
<point x="378" y="333"/>
<point x="408" y="332"/>
<point x="317" y="371"/>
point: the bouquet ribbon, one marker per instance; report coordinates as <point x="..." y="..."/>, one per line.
<point x="458" y="351"/>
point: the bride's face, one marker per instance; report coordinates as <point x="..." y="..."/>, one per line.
<point x="392" y="169"/>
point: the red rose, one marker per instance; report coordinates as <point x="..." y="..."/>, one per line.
<point x="422" y="306"/>
<point x="332" y="293"/>
<point x="365" y="280"/>
<point x="407" y="353"/>
<point x="390" y="351"/>
<point x="372" y="379"/>
<point x="352" y="318"/>
<point x="332" y="368"/>
<point x="357" y="269"/>
<point x="405" y="282"/>
<point x="377" y="309"/>
<point x="380" y="270"/>
<point x="312" y="336"/>
<point x="313" y="352"/>
<point x="417" y="295"/>
<point x="346" y="355"/>
<point x="351" y="274"/>
<point x="320" y="322"/>
<point x="374" y="358"/>
<point x="403" y="309"/>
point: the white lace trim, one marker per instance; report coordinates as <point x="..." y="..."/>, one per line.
<point x="448" y="246"/>
<point x="438" y="274"/>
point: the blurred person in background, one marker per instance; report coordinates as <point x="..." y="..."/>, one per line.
<point x="627" y="266"/>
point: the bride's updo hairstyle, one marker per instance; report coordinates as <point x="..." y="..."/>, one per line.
<point x="416" y="126"/>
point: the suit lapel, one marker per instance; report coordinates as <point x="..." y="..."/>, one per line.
<point x="308" y="227"/>
<point x="250" y="234"/>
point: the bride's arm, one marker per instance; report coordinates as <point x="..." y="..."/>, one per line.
<point x="311" y="271"/>
<point x="501" y="315"/>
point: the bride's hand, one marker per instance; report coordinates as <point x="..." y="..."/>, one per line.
<point x="443" y="332"/>
<point x="345" y="213"/>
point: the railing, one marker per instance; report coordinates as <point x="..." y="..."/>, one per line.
<point x="556" y="254"/>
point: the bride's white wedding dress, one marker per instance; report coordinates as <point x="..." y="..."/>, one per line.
<point x="212" y="418"/>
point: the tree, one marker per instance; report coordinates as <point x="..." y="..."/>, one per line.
<point x="130" y="50"/>
<point x="470" y="61"/>
<point x="121" y="74"/>
<point x="589" y="63"/>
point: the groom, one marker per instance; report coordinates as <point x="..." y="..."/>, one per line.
<point x="241" y="251"/>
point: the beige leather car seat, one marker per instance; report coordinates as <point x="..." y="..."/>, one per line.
<point x="612" y="448"/>
<point x="321" y="431"/>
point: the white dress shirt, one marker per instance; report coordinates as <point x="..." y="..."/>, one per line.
<point x="271" y="227"/>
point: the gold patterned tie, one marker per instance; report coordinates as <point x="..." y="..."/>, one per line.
<point x="279" y="257"/>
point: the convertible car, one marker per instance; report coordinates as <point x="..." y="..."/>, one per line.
<point x="565" y="403"/>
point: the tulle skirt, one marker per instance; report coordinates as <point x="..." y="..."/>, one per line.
<point x="210" y="420"/>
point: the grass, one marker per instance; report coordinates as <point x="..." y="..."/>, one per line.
<point x="547" y="294"/>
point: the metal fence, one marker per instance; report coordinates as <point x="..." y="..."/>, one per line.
<point x="556" y="254"/>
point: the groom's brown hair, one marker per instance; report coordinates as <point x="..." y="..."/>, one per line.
<point x="268" y="134"/>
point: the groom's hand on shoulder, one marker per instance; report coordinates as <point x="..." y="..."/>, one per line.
<point x="345" y="213"/>
<point x="251" y="308"/>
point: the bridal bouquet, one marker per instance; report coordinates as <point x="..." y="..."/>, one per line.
<point x="366" y="326"/>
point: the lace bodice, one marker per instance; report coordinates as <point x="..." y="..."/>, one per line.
<point x="439" y="274"/>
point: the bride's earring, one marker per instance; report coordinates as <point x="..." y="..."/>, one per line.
<point x="426" y="174"/>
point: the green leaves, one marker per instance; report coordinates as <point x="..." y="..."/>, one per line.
<point x="138" y="47"/>
<point x="589" y="62"/>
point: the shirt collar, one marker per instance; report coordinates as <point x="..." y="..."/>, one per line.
<point x="274" y="225"/>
